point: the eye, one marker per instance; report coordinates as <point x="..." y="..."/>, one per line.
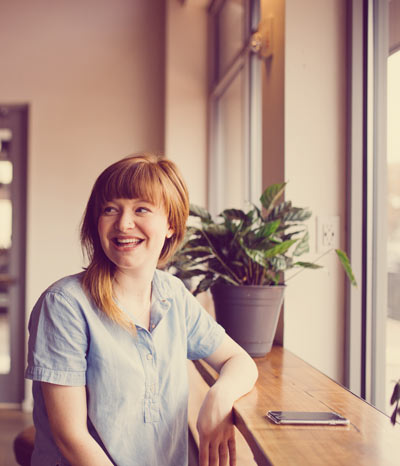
<point x="142" y="210"/>
<point x="109" y="210"/>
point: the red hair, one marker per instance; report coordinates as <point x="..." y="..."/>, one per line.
<point x="145" y="176"/>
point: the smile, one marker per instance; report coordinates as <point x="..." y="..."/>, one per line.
<point x="121" y="242"/>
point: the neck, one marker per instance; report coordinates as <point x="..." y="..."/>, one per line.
<point x="137" y="289"/>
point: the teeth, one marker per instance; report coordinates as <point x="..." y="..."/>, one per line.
<point x="129" y="241"/>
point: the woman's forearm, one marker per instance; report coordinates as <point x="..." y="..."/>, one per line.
<point x="237" y="377"/>
<point x="82" y="450"/>
<point x="66" y="408"/>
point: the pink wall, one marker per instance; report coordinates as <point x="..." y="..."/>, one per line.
<point x="93" y="74"/>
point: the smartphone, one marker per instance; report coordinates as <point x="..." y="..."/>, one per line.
<point x="301" y="417"/>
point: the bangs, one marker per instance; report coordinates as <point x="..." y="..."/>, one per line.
<point x="146" y="176"/>
<point x="133" y="181"/>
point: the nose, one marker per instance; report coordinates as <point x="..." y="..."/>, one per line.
<point x="125" y="221"/>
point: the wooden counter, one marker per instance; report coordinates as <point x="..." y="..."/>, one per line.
<point x="287" y="383"/>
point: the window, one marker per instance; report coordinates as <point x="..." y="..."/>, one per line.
<point x="374" y="322"/>
<point x="235" y="110"/>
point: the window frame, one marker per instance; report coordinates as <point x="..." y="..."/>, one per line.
<point x="248" y="62"/>
<point x="367" y="304"/>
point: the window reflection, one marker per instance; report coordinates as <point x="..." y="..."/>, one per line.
<point x="393" y="244"/>
<point x="4" y="335"/>
<point x="6" y="223"/>
<point x="6" y="172"/>
<point x="6" y="176"/>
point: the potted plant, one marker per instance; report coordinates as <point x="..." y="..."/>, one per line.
<point x="241" y="258"/>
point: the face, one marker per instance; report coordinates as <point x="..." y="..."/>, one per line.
<point x="132" y="233"/>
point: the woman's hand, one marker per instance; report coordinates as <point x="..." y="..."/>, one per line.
<point x="237" y="375"/>
<point x="216" y="431"/>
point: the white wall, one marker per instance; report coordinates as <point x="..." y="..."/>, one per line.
<point x="315" y="157"/>
<point x="92" y="73"/>
<point x="186" y="93"/>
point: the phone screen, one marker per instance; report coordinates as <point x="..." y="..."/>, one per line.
<point x="307" y="417"/>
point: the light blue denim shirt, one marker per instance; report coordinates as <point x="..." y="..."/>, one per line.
<point x="137" y="387"/>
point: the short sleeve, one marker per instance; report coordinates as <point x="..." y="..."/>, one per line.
<point x="204" y="334"/>
<point x="58" y="341"/>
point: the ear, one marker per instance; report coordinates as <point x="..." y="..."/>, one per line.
<point x="170" y="232"/>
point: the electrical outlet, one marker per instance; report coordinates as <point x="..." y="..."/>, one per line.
<point x="327" y="233"/>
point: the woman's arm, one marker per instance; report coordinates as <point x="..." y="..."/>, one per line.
<point x="67" y="412"/>
<point x="237" y="376"/>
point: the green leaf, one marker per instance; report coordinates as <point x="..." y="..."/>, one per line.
<point x="198" y="251"/>
<point x="197" y="211"/>
<point x="257" y="256"/>
<point x="234" y="214"/>
<point x="297" y="214"/>
<point x="267" y="229"/>
<point x="271" y="195"/>
<point x="395" y="413"/>
<point x="303" y="245"/>
<point x="254" y="214"/>
<point x="185" y="274"/>
<point x="346" y="265"/>
<point x="279" y="211"/>
<point x="215" y="229"/>
<point x="261" y="257"/>
<point x="280" y="263"/>
<point x="204" y="285"/>
<point x="396" y="393"/>
<point x="280" y="248"/>
<point x="307" y="265"/>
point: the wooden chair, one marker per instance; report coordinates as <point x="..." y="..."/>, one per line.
<point x="23" y="446"/>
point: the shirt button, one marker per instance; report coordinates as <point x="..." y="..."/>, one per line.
<point x="149" y="356"/>
<point x="153" y="325"/>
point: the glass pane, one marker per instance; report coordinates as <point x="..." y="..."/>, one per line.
<point x="4" y="334"/>
<point x="230" y="147"/>
<point x="230" y="33"/>
<point x="393" y="169"/>
<point x="6" y="175"/>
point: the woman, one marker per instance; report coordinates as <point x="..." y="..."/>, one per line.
<point x="108" y="346"/>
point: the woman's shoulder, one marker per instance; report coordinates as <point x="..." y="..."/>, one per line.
<point x="68" y="287"/>
<point x="69" y="284"/>
<point x="167" y="283"/>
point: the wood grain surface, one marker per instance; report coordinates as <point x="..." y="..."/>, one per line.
<point x="287" y="383"/>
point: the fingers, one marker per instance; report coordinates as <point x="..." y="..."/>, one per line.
<point x="223" y="454"/>
<point x="232" y="451"/>
<point x="203" y="453"/>
<point x="218" y="453"/>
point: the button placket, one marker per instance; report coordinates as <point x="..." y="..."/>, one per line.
<point x="151" y="399"/>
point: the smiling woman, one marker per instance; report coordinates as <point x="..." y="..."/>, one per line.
<point x="143" y="178"/>
<point x="132" y="234"/>
<point x="108" y="346"/>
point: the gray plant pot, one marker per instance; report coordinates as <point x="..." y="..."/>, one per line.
<point x="249" y="314"/>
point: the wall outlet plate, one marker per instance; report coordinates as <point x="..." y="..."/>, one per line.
<point x="328" y="228"/>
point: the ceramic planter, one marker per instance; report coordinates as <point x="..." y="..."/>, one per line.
<point x="249" y="314"/>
